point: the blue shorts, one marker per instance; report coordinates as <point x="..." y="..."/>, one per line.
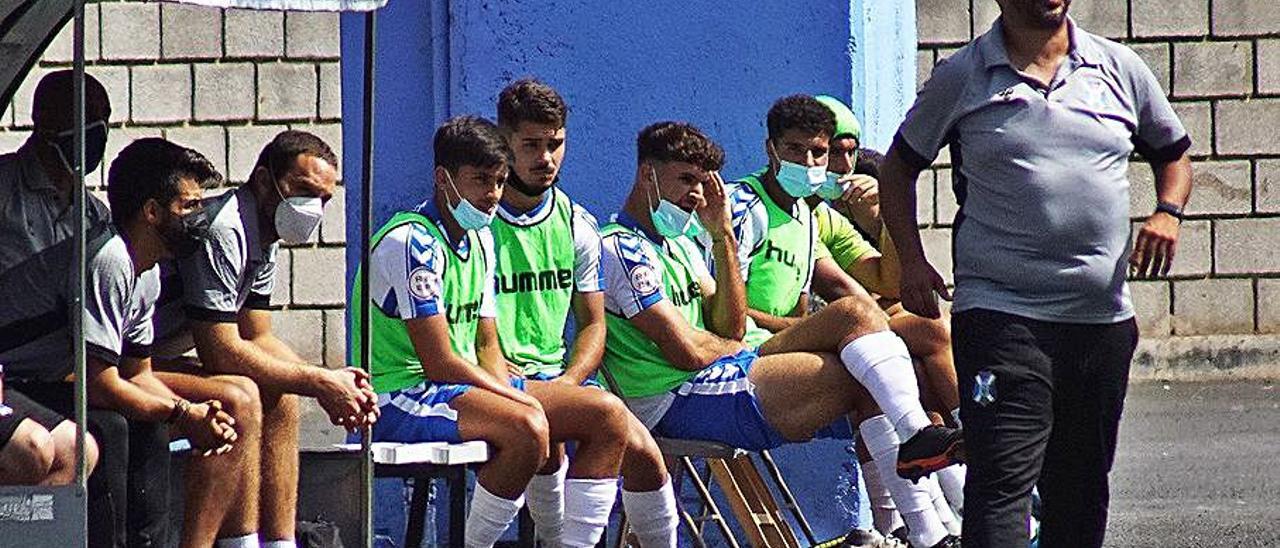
<point x="422" y="413"/>
<point x="545" y="377"/>
<point x="719" y="404"/>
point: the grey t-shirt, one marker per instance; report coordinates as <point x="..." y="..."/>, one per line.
<point x="231" y="271"/>
<point x="32" y="216"/>
<point x="1040" y="174"/>
<point x="35" y="337"/>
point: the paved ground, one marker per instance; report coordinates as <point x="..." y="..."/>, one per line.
<point x="1198" y="465"/>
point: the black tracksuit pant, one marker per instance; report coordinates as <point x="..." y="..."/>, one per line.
<point x="1041" y="405"/>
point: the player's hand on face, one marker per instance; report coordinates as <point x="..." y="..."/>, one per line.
<point x="921" y="287"/>
<point x="713" y="212"/>
<point x="1155" y="246"/>
<point x="862" y="197"/>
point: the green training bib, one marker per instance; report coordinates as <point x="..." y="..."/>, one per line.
<point x="780" y="266"/>
<point x="395" y="362"/>
<point x="535" y="287"/>
<point x="632" y="357"/>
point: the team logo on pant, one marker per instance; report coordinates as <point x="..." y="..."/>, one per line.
<point x="984" y="388"/>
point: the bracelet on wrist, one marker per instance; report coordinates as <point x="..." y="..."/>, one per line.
<point x="180" y="408"/>
<point x="1172" y="209"/>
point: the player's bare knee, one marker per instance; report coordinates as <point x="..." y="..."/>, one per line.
<point x="861" y="313"/>
<point x="608" y="416"/>
<point x="36" y="452"/>
<point x="529" y="435"/>
<point x="242" y="399"/>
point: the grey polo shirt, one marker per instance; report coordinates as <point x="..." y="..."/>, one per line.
<point x="230" y="272"/>
<point x="1040" y="173"/>
<point x="35" y="337"/>
<point x="31" y="217"/>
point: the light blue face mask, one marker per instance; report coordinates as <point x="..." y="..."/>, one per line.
<point x="797" y="180"/>
<point x="469" y="217"/>
<point x="668" y="219"/>
<point x="832" y="188"/>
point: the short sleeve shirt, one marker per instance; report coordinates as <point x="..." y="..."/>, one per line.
<point x="838" y="239"/>
<point x="231" y="271"/>
<point x="32" y="217"/>
<point x="1041" y="173"/>
<point x="407" y="268"/>
<point x="35" y="337"/>
<point x="632" y="272"/>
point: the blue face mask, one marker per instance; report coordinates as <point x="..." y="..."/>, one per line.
<point x="832" y="188"/>
<point x="668" y="219"/>
<point x="797" y="180"/>
<point x="469" y="217"/>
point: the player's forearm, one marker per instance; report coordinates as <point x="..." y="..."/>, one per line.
<point x="708" y="347"/>
<point x="890" y="267"/>
<point x="455" y="370"/>
<point x="898" y="206"/>
<point x="1173" y="181"/>
<point x="729" y="304"/>
<point x="770" y="322"/>
<point x="145" y="402"/>
<point x="587" y="353"/>
<point x="265" y="359"/>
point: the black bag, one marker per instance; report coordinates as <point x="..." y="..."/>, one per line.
<point x="318" y="534"/>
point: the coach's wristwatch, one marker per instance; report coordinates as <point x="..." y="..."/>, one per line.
<point x="1171" y="209"/>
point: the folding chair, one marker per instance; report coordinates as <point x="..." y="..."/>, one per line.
<point x="750" y="500"/>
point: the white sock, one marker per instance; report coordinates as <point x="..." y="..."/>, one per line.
<point x="545" y="498"/>
<point x="652" y="516"/>
<point x="884" y="513"/>
<point x="280" y="544"/>
<point x="955" y="415"/>
<point x="247" y="541"/>
<point x="941" y="507"/>
<point x="951" y="479"/>
<point x="489" y="517"/>
<point x="587" y="503"/>
<point x="880" y="362"/>
<point x="913" y="500"/>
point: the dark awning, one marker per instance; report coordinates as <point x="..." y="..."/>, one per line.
<point x="26" y="28"/>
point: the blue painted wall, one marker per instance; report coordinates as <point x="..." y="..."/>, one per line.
<point x="621" y="66"/>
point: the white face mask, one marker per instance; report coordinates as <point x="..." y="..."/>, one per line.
<point x="297" y="217"/>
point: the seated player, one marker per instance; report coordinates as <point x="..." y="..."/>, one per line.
<point x="437" y="364"/>
<point x="37" y="445"/>
<point x="675" y="333"/>
<point x="155" y="190"/>
<point x="846" y="263"/>
<point x="222" y="311"/>
<point x="548" y="263"/>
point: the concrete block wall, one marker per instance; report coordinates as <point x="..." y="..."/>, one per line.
<point x="224" y="82"/>
<point x="1219" y="61"/>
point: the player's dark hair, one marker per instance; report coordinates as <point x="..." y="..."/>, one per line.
<point x="470" y="141"/>
<point x="151" y="169"/>
<point x="529" y="100"/>
<point x="679" y="142"/>
<point x="281" y="153"/>
<point x="800" y="112"/>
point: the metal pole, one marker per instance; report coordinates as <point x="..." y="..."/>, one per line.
<point x="366" y="234"/>
<point x="79" y="259"/>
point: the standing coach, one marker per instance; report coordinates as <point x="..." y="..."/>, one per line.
<point x="1041" y="118"/>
